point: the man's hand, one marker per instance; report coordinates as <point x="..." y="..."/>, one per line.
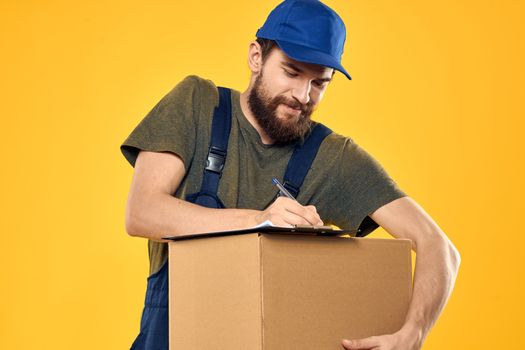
<point x="285" y="211"/>
<point x="397" y="341"/>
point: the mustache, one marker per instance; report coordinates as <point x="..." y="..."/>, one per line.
<point x="292" y="103"/>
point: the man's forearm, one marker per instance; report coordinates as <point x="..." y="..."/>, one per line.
<point x="162" y="215"/>
<point x="437" y="263"/>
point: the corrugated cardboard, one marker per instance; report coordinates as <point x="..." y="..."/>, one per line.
<point x="275" y="292"/>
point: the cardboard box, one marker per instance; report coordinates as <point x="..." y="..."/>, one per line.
<point x="274" y="292"/>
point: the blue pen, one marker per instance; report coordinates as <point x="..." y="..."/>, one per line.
<point x="282" y="189"/>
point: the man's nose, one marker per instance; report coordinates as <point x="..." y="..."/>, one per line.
<point x="301" y="92"/>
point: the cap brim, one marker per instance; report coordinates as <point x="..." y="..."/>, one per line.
<point x="305" y="54"/>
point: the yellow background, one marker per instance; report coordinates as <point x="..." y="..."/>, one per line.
<point x="437" y="98"/>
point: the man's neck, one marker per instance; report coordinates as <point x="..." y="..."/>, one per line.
<point x="251" y="118"/>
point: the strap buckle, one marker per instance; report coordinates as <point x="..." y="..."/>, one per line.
<point x="216" y="160"/>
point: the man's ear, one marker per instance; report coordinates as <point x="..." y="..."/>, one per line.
<point x="255" y="57"/>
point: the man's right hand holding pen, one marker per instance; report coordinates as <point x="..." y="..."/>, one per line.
<point x="286" y="210"/>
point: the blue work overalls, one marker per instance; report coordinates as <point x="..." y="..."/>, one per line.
<point x="154" y="322"/>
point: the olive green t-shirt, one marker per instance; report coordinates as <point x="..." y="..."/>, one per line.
<point x="344" y="183"/>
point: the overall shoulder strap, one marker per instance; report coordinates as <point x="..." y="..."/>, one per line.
<point x="220" y="134"/>
<point x="300" y="163"/>
<point x="302" y="159"/>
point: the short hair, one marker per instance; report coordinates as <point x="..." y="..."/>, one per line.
<point x="267" y="46"/>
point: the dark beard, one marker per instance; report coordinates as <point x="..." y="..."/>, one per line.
<point x="281" y="131"/>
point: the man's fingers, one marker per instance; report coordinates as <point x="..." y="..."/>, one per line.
<point x="293" y="219"/>
<point x="312" y="207"/>
<point x="365" y="343"/>
<point x="294" y="213"/>
<point x="309" y="213"/>
<point x="319" y="220"/>
<point x="308" y="218"/>
<point x="287" y="217"/>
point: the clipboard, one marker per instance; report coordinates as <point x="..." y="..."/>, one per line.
<point x="267" y="227"/>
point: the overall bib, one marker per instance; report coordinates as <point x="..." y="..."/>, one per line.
<point x="154" y="331"/>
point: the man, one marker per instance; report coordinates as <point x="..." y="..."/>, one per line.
<point x="296" y="53"/>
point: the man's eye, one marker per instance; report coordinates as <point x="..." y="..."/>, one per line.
<point x="290" y="74"/>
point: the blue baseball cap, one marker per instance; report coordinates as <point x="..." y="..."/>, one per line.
<point x="307" y="31"/>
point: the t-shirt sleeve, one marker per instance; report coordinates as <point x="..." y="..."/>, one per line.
<point x="170" y="126"/>
<point x="368" y="186"/>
